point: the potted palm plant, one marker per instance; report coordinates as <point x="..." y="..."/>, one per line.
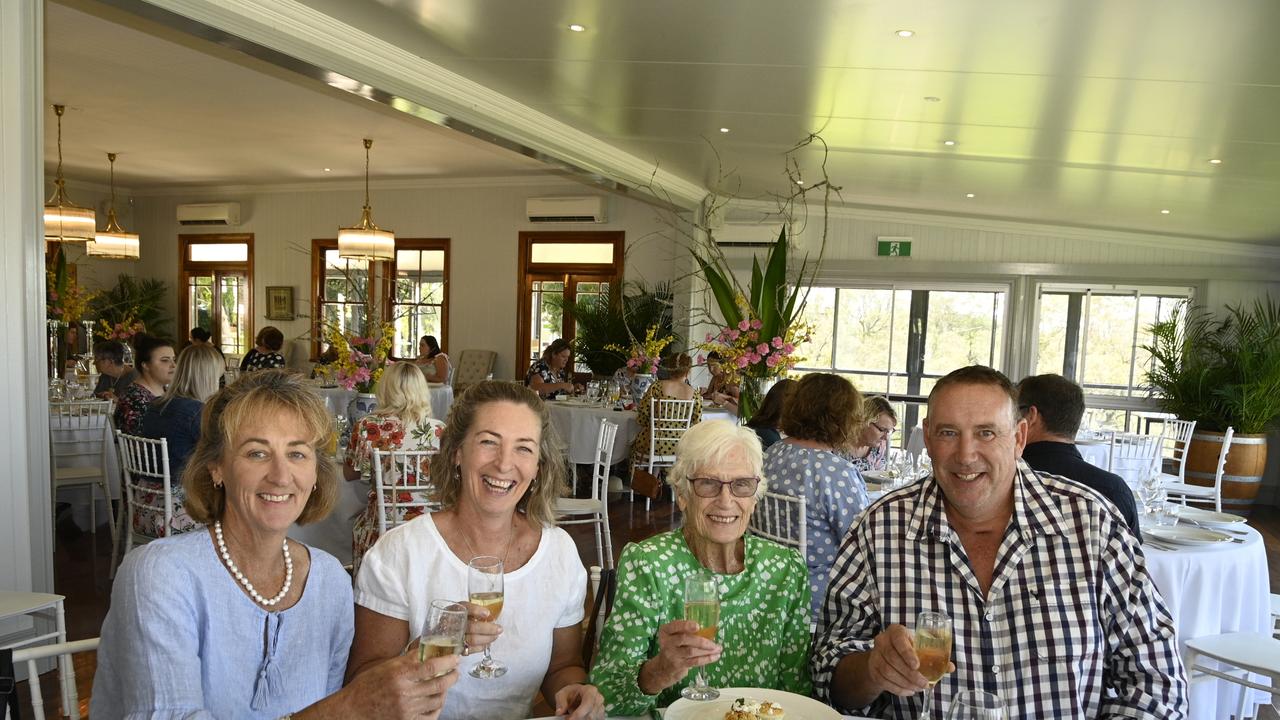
<point x="1221" y="373"/>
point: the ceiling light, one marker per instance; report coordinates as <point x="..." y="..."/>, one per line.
<point x="1215" y="161"/>
<point x="949" y="143"/>
<point x="968" y="195"/>
<point x="1164" y="212"/>
<point x="64" y="221"/>
<point x="932" y="98"/>
<point x="799" y="182"/>
<point x="578" y="28"/>
<point x="328" y="170"/>
<point x="114" y="242"/>
<point x="905" y="33"/>
<point x="366" y="241"/>
<point x="724" y="130"/>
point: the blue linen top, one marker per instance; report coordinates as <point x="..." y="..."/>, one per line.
<point x="181" y="640"/>
<point x="178" y="422"/>
<point x="834" y="494"/>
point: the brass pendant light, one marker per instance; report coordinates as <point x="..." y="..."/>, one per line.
<point x="64" y="221"/>
<point x="366" y="241"/>
<point x="114" y="242"/>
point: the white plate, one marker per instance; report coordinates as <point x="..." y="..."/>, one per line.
<point x="1209" y="517"/>
<point x="876" y="476"/>
<point x="1186" y="535"/>
<point x="798" y="707"/>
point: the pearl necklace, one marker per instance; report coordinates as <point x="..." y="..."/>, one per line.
<point x="248" y="586"/>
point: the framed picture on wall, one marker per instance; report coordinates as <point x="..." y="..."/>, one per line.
<point x="279" y="303"/>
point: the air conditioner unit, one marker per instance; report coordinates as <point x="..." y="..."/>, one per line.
<point x="227" y="213"/>
<point x="749" y="235"/>
<point x="588" y="209"/>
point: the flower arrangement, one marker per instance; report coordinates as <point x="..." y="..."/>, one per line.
<point x="645" y="356"/>
<point x="122" y="331"/>
<point x="67" y="301"/>
<point x="746" y="353"/>
<point x="361" y="360"/>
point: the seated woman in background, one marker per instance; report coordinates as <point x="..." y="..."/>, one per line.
<point x="720" y="391"/>
<point x="238" y="621"/>
<point x="113" y="375"/>
<point x="549" y="376"/>
<point x="156" y="365"/>
<point x="266" y="351"/>
<point x="767" y="419"/>
<point x="434" y="362"/>
<point x="870" y="449"/>
<point x="402" y="421"/>
<point x="673" y="388"/>
<point x="176" y="418"/>
<point x="823" y="414"/>
<point x="498" y="474"/>
<point x="647" y="648"/>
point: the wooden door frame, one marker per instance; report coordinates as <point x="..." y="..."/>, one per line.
<point x="187" y="268"/>
<point x="613" y="273"/>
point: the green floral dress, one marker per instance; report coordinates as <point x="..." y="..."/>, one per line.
<point x="764" y="621"/>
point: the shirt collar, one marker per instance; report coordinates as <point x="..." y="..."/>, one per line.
<point x="1034" y="508"/>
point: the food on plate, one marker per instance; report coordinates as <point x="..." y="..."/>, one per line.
<point x="749" y="709"/>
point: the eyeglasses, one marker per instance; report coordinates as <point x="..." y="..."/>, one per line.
<point x="738" y="487"/>
<point x="883" y="430"/>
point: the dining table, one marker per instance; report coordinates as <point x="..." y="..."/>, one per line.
<point x="577" y="420"/>
<point x="1214" y="589"/>
<point x="79" y="437"/>
<point x="338" y="399"/>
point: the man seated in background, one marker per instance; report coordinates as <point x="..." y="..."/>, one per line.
<point x="113" y="375"/>
<point x="1053" y="406"/>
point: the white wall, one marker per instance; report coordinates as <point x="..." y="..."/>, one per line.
<point x="482" y="222"/>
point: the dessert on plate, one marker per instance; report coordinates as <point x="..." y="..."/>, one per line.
<point x="750" y="709"/>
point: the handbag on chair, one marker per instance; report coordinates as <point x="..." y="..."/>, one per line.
<point x="646" y="483"/>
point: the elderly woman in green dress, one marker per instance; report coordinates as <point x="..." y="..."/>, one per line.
<point x="647" y="648"/>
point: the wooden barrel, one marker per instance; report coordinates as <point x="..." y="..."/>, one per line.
<point x="1243" y="473"/>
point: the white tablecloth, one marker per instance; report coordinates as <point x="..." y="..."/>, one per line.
<point x="1098" y="454"/>
<point x="78" y="495"/>
<point x="337" y="399"/>
<point x="1219" y="589"/>
<point x="333" y="534"/>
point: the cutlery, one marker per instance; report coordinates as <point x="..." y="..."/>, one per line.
<point x="1215" y="528"/>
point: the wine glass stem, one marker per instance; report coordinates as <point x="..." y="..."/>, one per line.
<point x="928" y="697"/>
<point x="488" y="659"/>
<point x="700" y="680"/>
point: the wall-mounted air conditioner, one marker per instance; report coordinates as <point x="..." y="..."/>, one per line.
<point x="586" y="209"/>
<point x="750" y="235"/>
<point x="227" y="213"/>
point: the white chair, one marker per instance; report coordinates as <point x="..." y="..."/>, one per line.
<point x="1243" y="654"/>
<point x="915" y="441"/>
<point x="16" y="604"/>
<point x="1209" y="495"/>
<point x="1134" y="457"/>
<point x="146" y="470"/>
<point x="1175" y="442"/>
<point x="402" y="483"/>
<point x="595" y="510"/>
<point x="63" y="651"/>
<point x="473" y="366"/>
<point x="668" y="419"/>
<point x="79" y="433"/>
<point x="781" y="518"/>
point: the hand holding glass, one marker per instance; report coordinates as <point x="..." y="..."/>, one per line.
<point x="442" y="632"/>
<point x="702" y="605"/>
<point x="933" y="650"/>
<point x="484" y="586"/>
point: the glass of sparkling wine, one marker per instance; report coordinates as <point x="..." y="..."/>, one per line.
<point x="976" y="705"/>
<point x="484" y="586"/>
<point x="442" y="632"/>
<point x="933" y="650"/>
<point x="702" y="605"/>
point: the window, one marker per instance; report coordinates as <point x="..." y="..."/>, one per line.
<point x="901" y="338"/>
<point x="414" y="295"/>
<point x="216" y="281"/>
<point x="1094" y="335"/>
<point x="420" y="294"/>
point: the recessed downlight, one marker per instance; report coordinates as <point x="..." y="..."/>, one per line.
<point x="1215" y="161"/>
<point x="969" y="195"/>
<point x="1164" y="211"/>
<point x="799" y="182"/>
<point x="578" y="28"/>
<point x="328" y="169"/>
<point x="949" y="143"/>
<point x="724" y="130"/>
<point x="904" y="33"/>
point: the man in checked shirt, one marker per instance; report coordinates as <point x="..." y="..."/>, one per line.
<point x="1052" y="606"/>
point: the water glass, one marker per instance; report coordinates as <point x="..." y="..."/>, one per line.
<point x="976" y="705"/>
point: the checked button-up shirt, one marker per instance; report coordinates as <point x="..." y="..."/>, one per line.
<point x="1071" y="627"/>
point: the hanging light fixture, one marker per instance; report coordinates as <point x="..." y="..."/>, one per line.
<point x="114" y="242"/>
<point x="366" y="241"/>
<point x="64" y="221"/>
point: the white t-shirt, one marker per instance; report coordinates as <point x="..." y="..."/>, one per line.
<point x="411" y="565"/>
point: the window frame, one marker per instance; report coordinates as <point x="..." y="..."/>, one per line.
<point x="187" y="268"/>
<point x="389" y="281"/>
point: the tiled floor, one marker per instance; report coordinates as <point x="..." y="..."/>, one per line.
<point x="81" y="569"/>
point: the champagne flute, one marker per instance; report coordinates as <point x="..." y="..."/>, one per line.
<point x="933" y="650"/>
<point x="702" y="605"/>
<point x="443" y="631"/>
<point x="484" y="588"/>
<point x="976" y="705"/>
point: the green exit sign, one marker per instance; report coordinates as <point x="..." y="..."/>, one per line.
<point x="894" y="247"/>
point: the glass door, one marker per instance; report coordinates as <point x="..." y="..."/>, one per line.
<point x="219" y="303"/>
<point x="550" y="296"/>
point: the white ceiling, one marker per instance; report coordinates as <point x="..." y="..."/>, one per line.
<point x="1085" y="112"/>
<point x="180" y="115"/>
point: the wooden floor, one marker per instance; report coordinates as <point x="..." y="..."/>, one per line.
<point x="81" y="566"/>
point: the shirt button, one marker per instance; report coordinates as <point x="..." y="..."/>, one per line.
<point x="989" y="616"/>
<point x="995" y="669"/>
